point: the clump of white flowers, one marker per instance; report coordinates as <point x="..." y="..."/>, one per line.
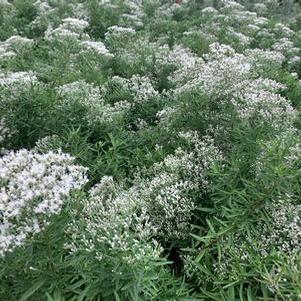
<point x="113" y="222"/>
<point x="170" y="194"/>
<point x="118" y="36"/>
<point x="98" y="47"/>
<point x="283" y="233"/>
<point x="76" y="25"/>
<point x="259" y="97"/>
<point x="17" y="41"/>
<point x="21" y="77"/>
<point x="48" y="143"/>
<point x="119" y="31"/>
<point x="8" y="47"/>
<point x="160" y="203"/>
<point x="5" y="133"/>
<point x="90" y="98"/>
<point x="33" y="187"/>
<point x="221" y="73"/>
<point x="182" y="58"/>
<point x="69" y="28"/>
<point x="140" y="87"/>
<point x="236" y="78"/>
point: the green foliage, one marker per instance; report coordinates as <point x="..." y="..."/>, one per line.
<point x="183" y="114"/>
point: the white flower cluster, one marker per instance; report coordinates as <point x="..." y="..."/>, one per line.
<point x="260" y="97"/>
<point x="33" y="187"/>
<point x="140" y="87"/>
<point x="170" y="193"/>
<point x="234" y="78"/>
<point x="90" y="98"/>
<point x="119" y="31"/>
<point x="113" y="222"/>
<point x="182" y="58"/>
<point x="161" y="203"/>
<point x="283" y="30"/>
<point x="287" y="48"/>
<point x="8" y="47"/>
<point x="265" y="59"/>
<point x="219" y="75"/>
<point x="136" y="12"/>
<point x="43" y="6"/>
<point x="167" y="10"/>
<point x="141" y="52"/>
<point x="75" y="25"/>
<point x="284" y="232"/>
<point x="239" y="27"/>
<point x="48" y="143"/>
<point x="98" y="47"/>
<point x="21" y="77"/>
<point x="70" y="28"/>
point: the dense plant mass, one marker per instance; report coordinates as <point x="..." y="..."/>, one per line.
<point x="150" y="150"/>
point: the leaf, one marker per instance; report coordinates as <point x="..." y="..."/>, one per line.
<point x="231" y="293"/>
<point x="77" y="284"/>
<point x="116" y="296"/>
<point x="250" y="294"/>
<point x="49" y="298"/>
<point x="201" y="255"/>
<point x="264" y="292"/>
<point x="160" y="263"/>
<point x="32" y="289"/>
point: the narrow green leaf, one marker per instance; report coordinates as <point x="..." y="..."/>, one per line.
<point x="32" y="290"/>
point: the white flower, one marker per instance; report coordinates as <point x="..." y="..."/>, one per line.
<point x="33" y="187"/>
<point x="140" y="87"/>
<point x="98" y="47"/>
<point x="22" y="77"/>
<point x="91" y="99"/>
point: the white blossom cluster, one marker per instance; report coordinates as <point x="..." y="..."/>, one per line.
<point x="260" y="97"/>
<point x="98" y="47"/>
<point x="287" y="48"/>
<point x="283" y="234"/>
<point x="69" y="28"/>
<point x="90" y="98"/>
<point x="113" y="222"/>
<point x="170" y="192"/>
<point x="219" y="75"/>
<point x="140" y="87"/>
<point x="43" y="6"/>
<point x="135" y="13"/>
<point x="167" y="10"/>
<point x="234" y="78"/>
<point x="8" y="48"/>
<point x="48" y="143"/>
<point x="73" y="30"/>
<point x="6" y="54"/>
<point x="182" y="58"/>
<point x="119" y="31"/>
<point x="5" y="134"/>
<point x="240" y="27"/>
<point x="162" y="203"/>
<point x="33" y="187"/>
<point x="140" y="51"/>
<point x="21" y="77"/>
